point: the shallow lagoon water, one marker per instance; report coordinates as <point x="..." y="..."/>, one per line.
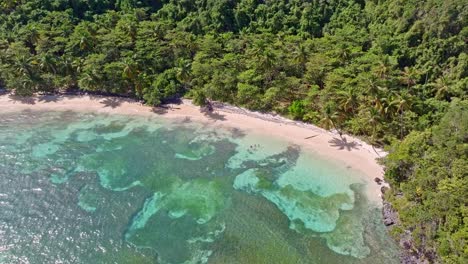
<point x="95" y="188"/>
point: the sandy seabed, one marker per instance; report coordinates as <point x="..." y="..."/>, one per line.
<point x="347" y="150"/>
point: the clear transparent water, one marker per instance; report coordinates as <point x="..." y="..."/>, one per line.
<point x="89" y="188"/>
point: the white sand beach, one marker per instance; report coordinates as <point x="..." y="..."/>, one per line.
<point x="346" y="150"/>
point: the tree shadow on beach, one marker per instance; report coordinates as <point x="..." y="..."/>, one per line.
<point x="160" y="110"/>
<point x="49" y="98"/>
<point x="111" y="102"/>
<point x="213" y="115"/>
<point x="23" y="100"/>
<point x="342" y="143"/>
<point x="237" y="133"/>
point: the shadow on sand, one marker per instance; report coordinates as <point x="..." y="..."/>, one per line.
<point x="22" y="100"/>
<point x="213" y="115"/>
<point x="49" y="98"/>
<point x="160" y="110"/>
<point x="342" y="143"/>
<point x="111" y="102"/>
<point x="237" y="133"/>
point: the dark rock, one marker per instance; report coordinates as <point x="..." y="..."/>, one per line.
<point x="409" y="254"/>
<point x="378" y="180"/>
<point x="384" y="189"/>
<point x="406" y="244"/>
<point x="389" y="215"/>
<point x="407" y="258"/>
<point x="388" y="222"/>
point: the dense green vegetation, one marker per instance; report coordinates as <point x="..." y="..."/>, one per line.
<point x="394" y="72"/>
<point x="430" y="169"/>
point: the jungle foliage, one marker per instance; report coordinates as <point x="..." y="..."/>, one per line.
<point x="394" y="72"/>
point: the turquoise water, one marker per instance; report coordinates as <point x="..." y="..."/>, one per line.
<point x="94" y="188"/>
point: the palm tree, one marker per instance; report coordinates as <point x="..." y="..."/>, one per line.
<point x="383" y="105"/>
<point x="300" y="56"/>
<point x="344" y="54"/>
<point x="23" y="65"/>
<point x="66" y="65"/>
<point x="264" y="55"/>
<point x="183" y="72"/>
<point x="441" y="87"/>
<point x="379" y="105"/>
<point x="267" y="58"/>
<point x="402" y="103"/>
<point x="199" y="97"/>
<point x="348" y="100"/>
<point x="330" y="119"/>
<point x="34" y="36"/>
<point x="130" y="70"/>
<point x="27" y="86"/>
<point x="384" y="67"/>
<point x="374" y="119"/>
<point x="88" y="82"/>
<point x="139" y="83"/>
<point x="26" y="75"/>
<point x="47" y="63"/>
<point x="84" y="43"/>
<point x="371" y="86"/>
<point x="410" y="76"/>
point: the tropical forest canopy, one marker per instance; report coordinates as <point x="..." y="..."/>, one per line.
<point x="394" y="72"/>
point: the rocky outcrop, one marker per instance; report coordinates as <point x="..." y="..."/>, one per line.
<point x="378" y="180"/>
<point x="390" y="217"/>
<point x="409" y="253"/>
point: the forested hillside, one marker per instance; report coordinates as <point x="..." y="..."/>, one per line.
<point x="394" y="72"/>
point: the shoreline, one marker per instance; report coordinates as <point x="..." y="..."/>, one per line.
<point x="347" y="150"/>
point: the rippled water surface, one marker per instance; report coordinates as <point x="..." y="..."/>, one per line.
<point x="89" y="188"/>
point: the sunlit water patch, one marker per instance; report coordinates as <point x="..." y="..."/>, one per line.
<point x="89" y="188"/>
